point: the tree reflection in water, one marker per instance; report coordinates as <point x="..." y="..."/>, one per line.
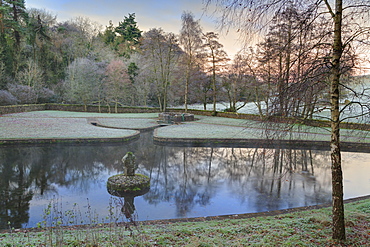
<point x="185" y="181"/>
<point x="266" y="179"/>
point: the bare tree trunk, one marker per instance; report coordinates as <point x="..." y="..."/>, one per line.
<point x="186" y="91"/>
<point x="214" y="84"/>
<point x="336" y="167"/>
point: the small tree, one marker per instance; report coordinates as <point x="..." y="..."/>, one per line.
<point x="31" y="75"/>
<point x="109" y="34"/>
<point x="83" y="81"/>
<point x="117" y="84"/>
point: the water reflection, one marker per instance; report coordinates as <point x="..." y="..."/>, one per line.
<point x="265" y="179"/>
<point x="185" y="181"/>
<point x="128" y="205"/>
<point x="29" y="172"/>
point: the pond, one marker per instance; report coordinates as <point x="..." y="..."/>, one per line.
<point x="185" y="181"/>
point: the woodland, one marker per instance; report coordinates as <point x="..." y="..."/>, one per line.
<point x="79" y="61"/>
<point x="305" y="61"/>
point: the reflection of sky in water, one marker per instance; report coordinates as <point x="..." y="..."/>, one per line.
<point x="191" y="182"/>
<point x="229" y="198"/>
<point x="95" y="195"/>
<point x="356" y="170"/>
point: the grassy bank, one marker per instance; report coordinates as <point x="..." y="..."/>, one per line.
<point x="304" y="228"/>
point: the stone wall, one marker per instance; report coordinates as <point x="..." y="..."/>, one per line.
<point x="21" y="108"/>
<point x="101" y="109"/>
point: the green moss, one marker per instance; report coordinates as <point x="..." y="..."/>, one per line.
<point x="122" y="183"/>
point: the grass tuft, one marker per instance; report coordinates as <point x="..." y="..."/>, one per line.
<point x="305" y="228"/>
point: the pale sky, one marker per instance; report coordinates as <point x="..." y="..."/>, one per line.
<point x="149" y="14"/>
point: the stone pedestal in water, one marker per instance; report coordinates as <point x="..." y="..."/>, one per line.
<point x="128" y="182"/>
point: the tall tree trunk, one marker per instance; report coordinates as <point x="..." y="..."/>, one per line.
<point x="214" y="84"/>
<point x="186" y="93"/>
<point x="336" y="167"/>
<point x="17" y="38"/>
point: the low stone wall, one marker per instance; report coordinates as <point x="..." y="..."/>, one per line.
<point x="21" y="108"/>
<point x="191" y="111"/>
<point x="239" y="116"/>
<point x="101" y="109"/>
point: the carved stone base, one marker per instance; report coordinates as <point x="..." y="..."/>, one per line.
<point x="121" y="185"/>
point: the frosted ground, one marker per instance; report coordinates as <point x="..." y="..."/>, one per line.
<point x="59" y="125"/>
<point x="71" y="125"/>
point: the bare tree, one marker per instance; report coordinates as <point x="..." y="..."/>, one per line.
<point x="251" y="15"/>
<point x="161" y="52"/>
<point x="200" y="87"/>
<point x="117" y="85"/>
<point x="215" y="59"/>
<point x="237" y="82"/>
<point x="31" y="75"/>
<point x="191" y="41"/>
<point x="83" y="81"/>
<point x="261" y="87"/>
<point x="292" y="61"/>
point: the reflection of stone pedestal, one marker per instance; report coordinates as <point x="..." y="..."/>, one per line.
<point x="128" y="187"/>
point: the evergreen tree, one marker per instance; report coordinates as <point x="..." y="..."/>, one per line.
<point x="132" y="70"/>
<point x="129" y="36"/>
<point x="19" y="16"/>
<point x="6" y="57"/>
<point x="109" y="35"/>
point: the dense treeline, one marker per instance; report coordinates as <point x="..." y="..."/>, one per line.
<point x="78" y="61"/>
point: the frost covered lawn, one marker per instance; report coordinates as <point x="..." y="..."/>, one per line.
<point x="76" y="125"/>
<point x="69" y="114"/>
<point x="70" y="125"/>
<point x="55" y="128"/>
<point x="228" y="128"/>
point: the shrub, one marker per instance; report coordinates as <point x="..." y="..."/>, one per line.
<point x="24" y="94"/>
<point x="45" y="95"/>
<point x="7" y="98"/>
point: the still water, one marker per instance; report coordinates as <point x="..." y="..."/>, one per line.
<point x="185" y="181"/>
